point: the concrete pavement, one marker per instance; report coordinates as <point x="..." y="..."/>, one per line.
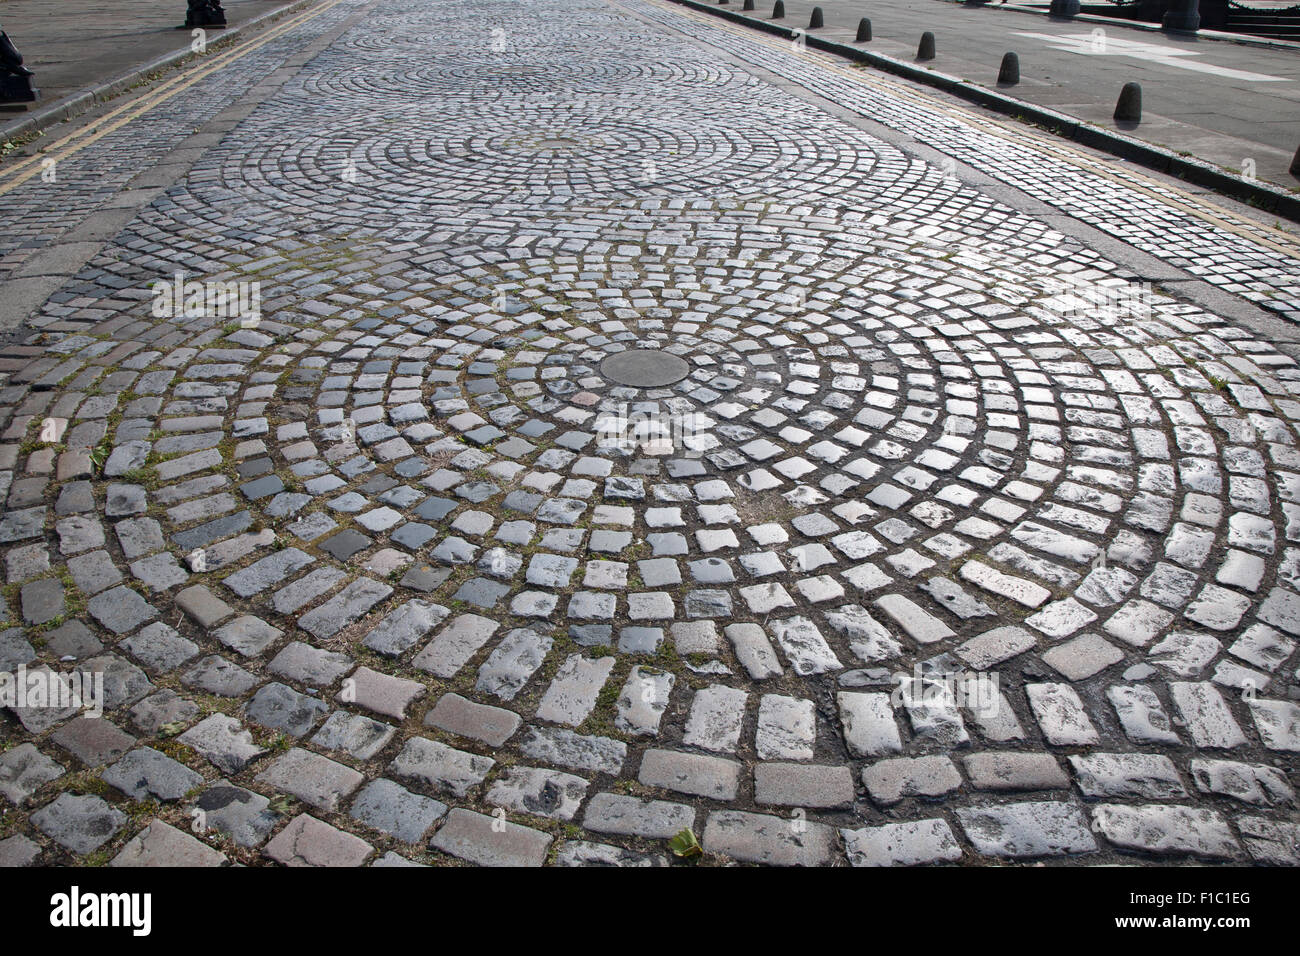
<point x="76" y="44"/>
<point x="1229" y="104"/>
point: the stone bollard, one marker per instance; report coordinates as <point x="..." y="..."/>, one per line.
<point x="1009" y="72"/>
<point x="926" y="50"/>
<point x="778" y="11"/>
<point x="816" y="20"/>
<point x="1129" y="107"/>
<point x="864" y="31"/>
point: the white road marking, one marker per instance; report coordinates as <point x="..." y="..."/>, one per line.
<point x="1085" y="44"/>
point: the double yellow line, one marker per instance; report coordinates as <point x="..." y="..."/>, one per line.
<point x="14" y="176"/>
<point x="1165" y="193"/>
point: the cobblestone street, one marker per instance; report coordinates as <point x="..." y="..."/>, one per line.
<point x="618" y="423"/>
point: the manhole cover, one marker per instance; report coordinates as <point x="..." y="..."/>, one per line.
<point x="644" y="368"/>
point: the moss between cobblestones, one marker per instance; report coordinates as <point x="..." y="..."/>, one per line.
<point x="13" y="596"/>
<point x="155" y="458"/>
<point x="140" y="811"/>
<point x="762" y="508"/>
<point x="181" y="753"/>
<point x="29" y="445"/>
<point x="292" y="483"/>
<point x="83" y="783"/>
<point x="145" y="476"/>
<point x="98" y="858"/>
<point x="139" y="587"/>
<point x="601" y="719"/>
<point x="209" y="704"/>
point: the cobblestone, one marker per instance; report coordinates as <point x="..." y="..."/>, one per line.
<point x="159" y="844"/>
<point x="23" y="770"/>
<point x="223" y="741"/>
<point x="1166" y="829"/>
<point x="1026" y="830"/>
<point x="145" y="773"/>
<point x="442" y="768"/>
<point x="314" y="779"/>
<point x="80" y="823"/>
<point x="456" y="715"/>
<point x="307" y="841"/>
<point x="759" y="838"/>
<point x="803" y="785"/>
<point x="653" y="819"/>
<point x="396" y="811"/>
<point x="243" y="816"/>
<point x="472" y="836"/>
<point x="1014" y="771"/>
<point x="902" y="844"/>
<point x="691" y="773"/>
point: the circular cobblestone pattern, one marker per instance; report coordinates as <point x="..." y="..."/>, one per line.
<point x="676" y="456"/>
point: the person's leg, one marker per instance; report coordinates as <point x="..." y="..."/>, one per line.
<point x="11" y="61"/>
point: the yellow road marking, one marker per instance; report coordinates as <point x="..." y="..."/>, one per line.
<point x="20" y="172"/>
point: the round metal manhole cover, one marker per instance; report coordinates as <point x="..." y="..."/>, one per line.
<point x="644" y="368"/>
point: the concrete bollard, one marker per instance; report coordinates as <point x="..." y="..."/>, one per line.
<point x="864" y="31"/>
<point x="1128" y="109"/>
<point x="816" y="20"/>
<point x="1009" y="72"/>
<point x="778" y="11"/>
<point x="926" y="50"/>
